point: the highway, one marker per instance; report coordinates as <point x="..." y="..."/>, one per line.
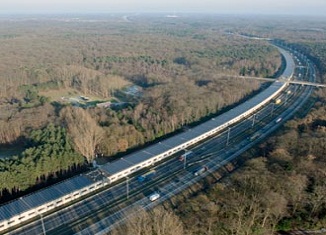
<point x="213" y="154"/>
<point x="97" y="213"/>
<point x="50" y="199"/>
<point x="218" y="151"/>
<point x="170" y="170"/>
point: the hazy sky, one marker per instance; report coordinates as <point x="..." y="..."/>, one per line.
<point x="310" y="7"/>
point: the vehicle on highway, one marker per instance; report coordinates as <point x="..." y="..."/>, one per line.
<point x="154" y="196"/>
<point x="255" y="136"/>
<point x="200" y="170"/>
<point x="29" y="206"/>
<point x="278" y="120"/>
<point x="278" y="101"/>
<point x="146" y="176"/>
<point x="185" y="155"/>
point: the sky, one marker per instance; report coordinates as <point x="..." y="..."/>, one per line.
<point x="288" y="7"/>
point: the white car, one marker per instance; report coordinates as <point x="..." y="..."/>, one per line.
<point x="154" y="196"/>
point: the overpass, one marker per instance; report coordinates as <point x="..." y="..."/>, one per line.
<point x="305" y="83"/>
<point x="71" y="190"/>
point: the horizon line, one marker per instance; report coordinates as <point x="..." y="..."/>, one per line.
<point x="42" y="13"/>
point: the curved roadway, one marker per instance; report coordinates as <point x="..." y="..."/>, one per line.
<point x="107" y="207"/>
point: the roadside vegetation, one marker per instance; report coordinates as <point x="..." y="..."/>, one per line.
<point x="54" y="73"/>
<point x="282" y="189"/>
<point x="281" y="186"/>
<point x="159" y="221"/>
<point x="180" y="68"/>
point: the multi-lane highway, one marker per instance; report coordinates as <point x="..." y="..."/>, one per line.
<point x="213" y="154"/>
<point x="97" y="213"/>
<point x="207" y="153"/>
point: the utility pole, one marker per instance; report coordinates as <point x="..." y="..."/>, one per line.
<point x="286" y="97"/>
<point x="272" y="112"/>
<point x="253" y="120"/>
<point x="127" y="186"/>
<point x="228" y="136"/>
<point x="43" y="227"/>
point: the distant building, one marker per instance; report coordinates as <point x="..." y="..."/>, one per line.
<point x="85" y="98"/>
<point x="104" y="104"/>
<point x="133" y="90"/>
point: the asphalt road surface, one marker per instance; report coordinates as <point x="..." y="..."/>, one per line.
<point x="96" y="214"/>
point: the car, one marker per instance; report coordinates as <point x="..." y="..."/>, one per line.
<point x="146" y="176"/>
<point x="200" y="170"/>
<point x="154" y="196"/>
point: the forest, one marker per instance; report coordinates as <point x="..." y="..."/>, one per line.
<point x="182" y="69"/>
<point x="280" y="185"/>
<point x="55" y="70"/>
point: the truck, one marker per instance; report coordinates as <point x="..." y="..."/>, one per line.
<point x="185" y="155"/>
<point x="154" y="196"/>
<point x="146" y="176"/>
<point x="200" y="170"/>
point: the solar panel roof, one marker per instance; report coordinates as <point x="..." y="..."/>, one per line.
<point x="181" y="138"/>
<point x="157" y="148"/>
<point x="59" y="190"/>
<point x="43" y="196"/>
<point x="174" y="141"/>
<point x="139" y="157"/>
<point x="13" y="208"/>
<point x="190" y="134"/>
<point x="116" y="166"/>
<point x="290" y="65"/>
<point x="165" y="145"/>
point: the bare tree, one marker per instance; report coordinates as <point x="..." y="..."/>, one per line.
<point x="158" y="221"/>
<point x="9" y="131"/>
<point x="84" y="131"/>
